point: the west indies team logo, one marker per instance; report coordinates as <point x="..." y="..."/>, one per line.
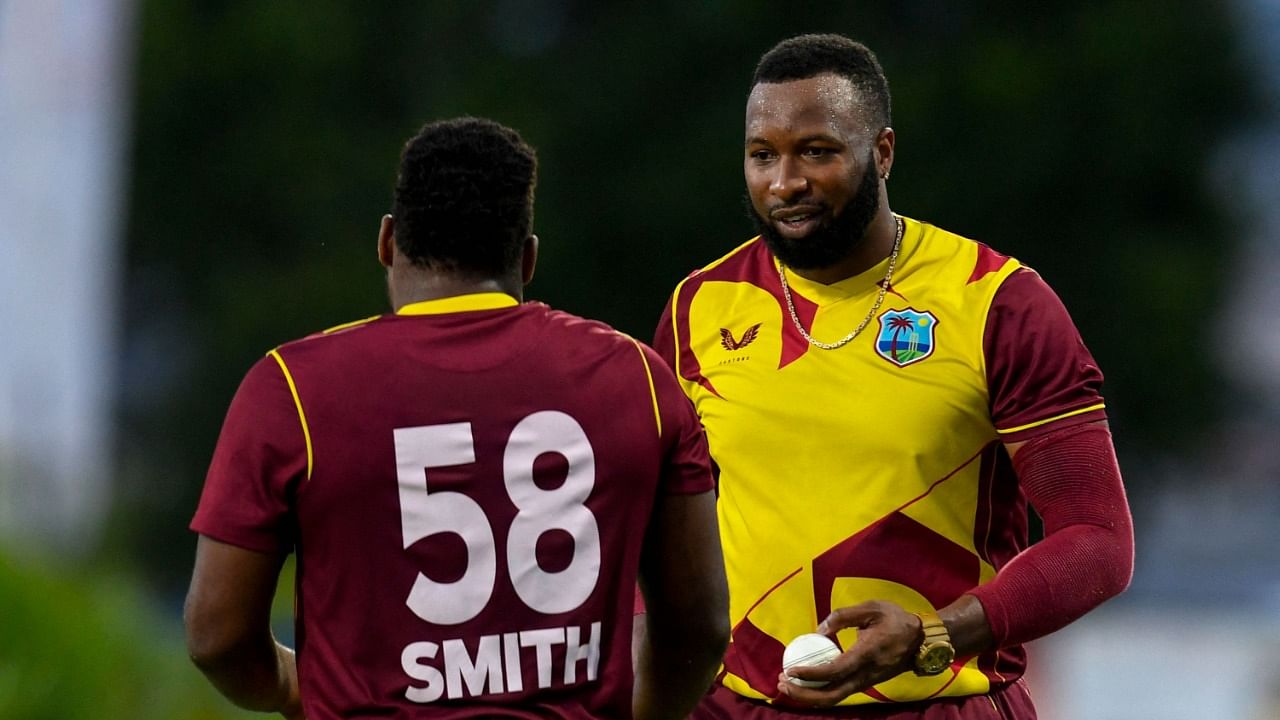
<point x="748" y="337"/>
<point x="906" y="336"/>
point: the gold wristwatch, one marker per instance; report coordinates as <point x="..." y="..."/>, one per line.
<point x="936" y="652"/>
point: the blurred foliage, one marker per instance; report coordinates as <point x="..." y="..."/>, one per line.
<point x="1075" y="136"/>
<point x="77" y="647"/>
<point x="82" y="644"/>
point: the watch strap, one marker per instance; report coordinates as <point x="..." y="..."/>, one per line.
<point x="934" y="629"/>
<point x="936" y="651"/>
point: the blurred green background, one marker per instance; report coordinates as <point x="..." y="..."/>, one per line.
<point x="1079" y="137"/>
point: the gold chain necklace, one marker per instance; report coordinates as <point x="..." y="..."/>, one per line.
<point x="884" y="288"/>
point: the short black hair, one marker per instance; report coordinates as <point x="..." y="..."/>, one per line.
<point x="805" y="56"/>
<point x="464" y="197"/>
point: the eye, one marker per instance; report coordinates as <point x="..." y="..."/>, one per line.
<point x="761" y="155"/>
<point x="818" y="152"/>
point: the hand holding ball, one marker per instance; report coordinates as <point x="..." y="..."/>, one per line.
<point x="808" y="650"/>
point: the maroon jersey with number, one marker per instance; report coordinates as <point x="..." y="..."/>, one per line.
<point x="467" y="485"/>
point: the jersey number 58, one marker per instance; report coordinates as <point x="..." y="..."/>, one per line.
<point x="424" y="513"/>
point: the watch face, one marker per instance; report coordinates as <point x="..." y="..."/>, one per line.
<point x="935" y="658"/>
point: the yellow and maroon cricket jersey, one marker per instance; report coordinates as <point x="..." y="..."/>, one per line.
<point x="876" y="470"/>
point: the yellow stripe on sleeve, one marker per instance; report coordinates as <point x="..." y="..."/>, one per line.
<point x="297" y="402"/>
<point x="653" y="392"/>
<point x="1046" y="421"/>
<point x="351" y="324"/>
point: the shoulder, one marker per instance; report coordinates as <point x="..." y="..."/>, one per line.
<point x="342" y="332"/>
<point x="586" y="329"/>
<point x="1007" y="291"/>
<point x="1023" y="286"/>
<point x="1027" y="313"/>
<point x="610" y="352"/>
<point x="293" y="362"/>
<point x="268" y="375"/>
<point x="749" y="262"/>
<point x="1026" y="301"/>
<point x="585" y="339"/>
<point x="972" y="262"/>
<point x="337" y="340"/>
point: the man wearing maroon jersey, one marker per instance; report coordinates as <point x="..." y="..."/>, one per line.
<point x="472" y="485"/>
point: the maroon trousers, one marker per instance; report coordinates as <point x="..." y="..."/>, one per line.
<point x="1011" y="702"/>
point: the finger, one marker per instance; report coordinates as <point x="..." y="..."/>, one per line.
<point x="849" y="662"/>
<point x="858" y="658"/>
<point x="825" y="696"/>
<point x="855" y="670"/>
<point x="857" y="616"/>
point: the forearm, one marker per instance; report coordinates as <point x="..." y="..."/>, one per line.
<point x="686" y="627"/>
<point x="255" y="675"/>
<point x="1055" y="582"/>
<point x="1086" y="557"/>
<point x="674" y="673"/>
<point x="228" y="622"/>
<point x="1072" y="479"/>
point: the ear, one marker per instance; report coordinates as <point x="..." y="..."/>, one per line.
<point x="884" y="151"/>
<point x="387" y="241"/>
<point x="530" y="259"/>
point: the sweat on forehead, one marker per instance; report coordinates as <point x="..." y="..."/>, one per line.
<point x="792" y="101"/>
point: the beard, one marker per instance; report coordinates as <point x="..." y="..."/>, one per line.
<point x="831" y="243"/>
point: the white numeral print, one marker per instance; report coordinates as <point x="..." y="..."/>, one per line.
<point x="544" y="510"/>
<point x="424" y="513"/>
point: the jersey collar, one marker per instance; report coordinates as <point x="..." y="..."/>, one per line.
<point x="459" y="303"/>
<point x="864" y="282"/>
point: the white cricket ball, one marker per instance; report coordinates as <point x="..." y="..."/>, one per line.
<point x="808" y="649"/>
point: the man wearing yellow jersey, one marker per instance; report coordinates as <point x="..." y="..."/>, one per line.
<point x="883" y="398"/>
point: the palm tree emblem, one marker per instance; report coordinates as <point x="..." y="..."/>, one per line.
<point x="906" y="336"/>
<point x="899" y="324"/>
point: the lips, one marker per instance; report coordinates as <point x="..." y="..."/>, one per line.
<point x="797" y="220"/>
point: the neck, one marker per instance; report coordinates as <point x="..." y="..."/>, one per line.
<point x="408" y="285"/>
<point x="874" y="248"/>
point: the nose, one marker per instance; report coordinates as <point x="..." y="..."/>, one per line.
<point x="787" y="183"/>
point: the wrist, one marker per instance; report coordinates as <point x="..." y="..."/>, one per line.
<point x="935" y="652"/>
<point x="966" y="622"/>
